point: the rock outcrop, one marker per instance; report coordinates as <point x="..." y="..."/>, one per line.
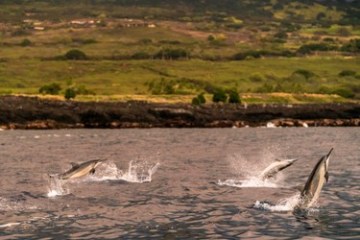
<point x="18" y="112"/>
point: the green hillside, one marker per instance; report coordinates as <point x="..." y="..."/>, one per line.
<point x="180" y="48"/>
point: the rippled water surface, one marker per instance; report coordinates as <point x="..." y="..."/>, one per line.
<point x="177" y="183"/>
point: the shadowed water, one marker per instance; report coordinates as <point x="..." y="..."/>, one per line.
<point x="177" y="183"/>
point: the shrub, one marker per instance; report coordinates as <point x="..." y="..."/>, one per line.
<point x="306" y="73"/>
<point x="256" y="77"/>
<point x="25" y="43"/>
<point x="309" y="48"/>
<point x="345" y="73"/>
<point x="145" y="41"/>
<point x="195" y="101"/>
<point x="219" y="96"/>
<point x="75" y="54"/>
<point x="199" y="99"/>
<point x="162" y="87"/>
<point x="352" y="46"/>
<point x="211" y="38"/>
<point x="52" y="88"/>
<point x="141" y="55"/>
<point x="234" y="97"/>
<point x="70" y="93"/>
<point x="320" y="16"/>
<point x="82" y="90"/>
<point x="169" y="88"/>
<point x="281" y="35"/>
<point x="265" y="88"/>
<point x="83" y="41"/>
<point x="344" y="32"/>
<point x="250" y="53"/>
<point x="171" y="54"/>
<point x="344" y="92"/>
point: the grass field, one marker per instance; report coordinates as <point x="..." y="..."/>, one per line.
<point x="29" y="58"/>
<point x="132" y="77"/>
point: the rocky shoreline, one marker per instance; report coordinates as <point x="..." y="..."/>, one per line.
<point x="19" y="112"/>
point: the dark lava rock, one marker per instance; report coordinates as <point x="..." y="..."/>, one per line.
<point x="37" y="113"/>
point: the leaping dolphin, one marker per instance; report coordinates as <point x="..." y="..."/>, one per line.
<point x="276" y="167"/>
<point x="80" y="170"/>
<point x="315" y="182"/>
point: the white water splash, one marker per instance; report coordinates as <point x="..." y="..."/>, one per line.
<point x="250" y="182"/>
<point x="137" y="172"/>
<point x="284" y="205"/>
<point x="56" y="187"/>
<point x="249" y="170"/>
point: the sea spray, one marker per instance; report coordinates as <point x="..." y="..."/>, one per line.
<point x="247" y="170"/>
<point x="56" y="187"/>
<point x="284" y="205"/>
<point x="250" y="182"/>
<point x="139" y="172"/>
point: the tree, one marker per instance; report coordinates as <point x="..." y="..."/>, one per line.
<point x="219" y="96"/>
<point x="70" y="93"/>
<point x="234" y="97"/>
<point x="199" y="99"/>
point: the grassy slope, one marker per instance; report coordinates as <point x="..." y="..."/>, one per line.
<point x="131" y="76"/>
<point x="23" y="71"/>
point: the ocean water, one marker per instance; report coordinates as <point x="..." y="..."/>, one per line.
<point x="177" y="184"/>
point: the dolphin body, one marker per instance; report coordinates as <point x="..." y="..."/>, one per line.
<point x="80" y="170"/>
<point x="315" y="182"/>
<point x="276" y="167"/>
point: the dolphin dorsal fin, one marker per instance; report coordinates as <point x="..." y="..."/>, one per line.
<point x="74" y="165"/>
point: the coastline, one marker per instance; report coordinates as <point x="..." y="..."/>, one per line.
<point x="20" y="112"/>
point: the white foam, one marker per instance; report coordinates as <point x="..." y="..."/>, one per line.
<point x="250" y="182"/>
<point x="137" y="172"/>
<point x="284" y="205"/>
